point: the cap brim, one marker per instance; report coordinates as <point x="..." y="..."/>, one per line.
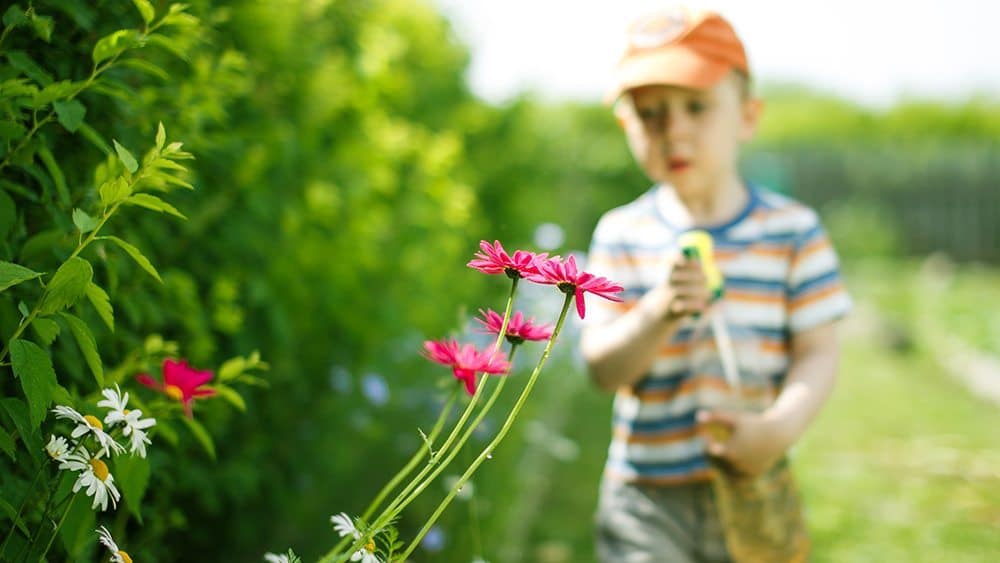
<point x="674" y="67"/>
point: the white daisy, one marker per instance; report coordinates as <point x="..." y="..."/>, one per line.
<point x="274" y="558"/>
<point x="117" y="555"/>
<point x="94" y="475"/>
<point x="57" y="448"/>
<point x="89" y="424"/>
<point x="345" y="527"/>
<point x="134" y="427"/>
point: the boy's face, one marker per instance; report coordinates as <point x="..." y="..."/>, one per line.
<point x="688" y="138"/>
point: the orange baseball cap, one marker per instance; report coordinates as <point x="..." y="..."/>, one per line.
<point x="678" y="47"/>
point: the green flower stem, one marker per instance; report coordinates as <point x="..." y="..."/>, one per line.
<point x="59" y="525"/>
<point x="24" y="503"/>
<point x="394" y="507"/>
<point x="488" y="450"/>
<point x="465" y="437"/>
<point x="445" y="448"/>
<point x="428" y="441"/>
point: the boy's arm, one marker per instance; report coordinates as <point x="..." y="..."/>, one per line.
<point x="621" y="351"/>
<point x="758" y="440"/>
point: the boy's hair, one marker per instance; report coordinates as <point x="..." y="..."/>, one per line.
<point x="680" y="48"/>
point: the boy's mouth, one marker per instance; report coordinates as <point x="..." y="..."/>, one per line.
<point x="676" y="164"/>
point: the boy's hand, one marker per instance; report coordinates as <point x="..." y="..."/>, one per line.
<point x="685" y="291"/>
<point x="749" y="442"/>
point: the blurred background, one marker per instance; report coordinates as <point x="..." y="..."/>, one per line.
<point x="350" y="154"/>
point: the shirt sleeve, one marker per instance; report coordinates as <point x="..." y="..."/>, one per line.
<point x="816" y="293"/>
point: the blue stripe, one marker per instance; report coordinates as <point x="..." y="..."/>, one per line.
<point x="817" y="282"/>
<point x="658" y="425"/>
<point x="683" y="335"/>
<point x="661" y="469"/>
<point x="769" y="286"/>
<point x="657" y="383"/>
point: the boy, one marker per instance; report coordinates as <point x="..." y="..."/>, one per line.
<point x="682" y="96"/>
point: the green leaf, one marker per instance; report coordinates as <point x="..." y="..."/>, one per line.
<point x="17" y="410"/>
<point x="12" y="274"/>
<point x="126" y="157"/>
<point x="33" y="367"/>
<point x="142" y="65"/>
<point x="84" y="222"/>
<point x="161" y="136"/>
<point x="14" y="16"/>
<point x="136" y="255"/>
<point x="11" y="513"/>
<point x="114" y="190"/>
<point x="85" y="340"/>
<point x="145" y="9"/>
<point x="43" y="27"/>
<point x="95" y="138"/>
<point x="99" y="299"/>
<point x="70" y="113"/>
<point x="201" y="435"/>
<point x="46" y="329"/>
<point x="232" y="397"/>
<point x="22" y="62"/>
<point x="7" y="445"/>
<point x="53" y="92"/>
<point x="114" y="44"/>
<point x="68" y="284"/>
<point x="11" y="130"/>
<point x="156" y="204"/>
<point x="132" y="476"/>
<point x="55" y="172"/>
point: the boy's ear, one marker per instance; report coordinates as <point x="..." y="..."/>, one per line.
<point x="751" y="113"/>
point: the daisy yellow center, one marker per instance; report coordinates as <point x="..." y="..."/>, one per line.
<point x="370" y="546"/>
<point x="126" y="411"/>
<point x="94" y="421"/>
<point x="174" y="392"/>
<point x="100" y="469"/>
<point x="124" y="557"/>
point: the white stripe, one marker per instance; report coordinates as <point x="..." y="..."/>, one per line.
<point x="657" y="453"/>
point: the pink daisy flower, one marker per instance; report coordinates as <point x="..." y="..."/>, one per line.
<point x="465" y="361"/>
<point x="180" y="382"/>
<point x="568" y="279"/>
<point x="494" y="260"/>
<point x="518" y="329"/>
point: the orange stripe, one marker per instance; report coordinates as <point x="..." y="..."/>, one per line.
<point x="811" y="298"/>
<point x="700" y="476"/>
<point x="754" y="297"/>
<point x="689" y="385"/>
<point x="808" y="250"/>
<point x="671" y="437"/>
<point x="774" y="347"/>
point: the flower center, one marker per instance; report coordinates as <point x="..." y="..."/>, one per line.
<point x="512" y="273"/>
<point x="370" y="546"/>
<point x="126" y="411"/>
<point x="93" y="421"/>
<point x="566" y="287"/>
<point x="124" y="556"/>
<point x="174" y="392"/>
<point x="100" y="469"/>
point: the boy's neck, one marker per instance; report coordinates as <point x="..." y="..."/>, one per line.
<point x="713" y="207"/>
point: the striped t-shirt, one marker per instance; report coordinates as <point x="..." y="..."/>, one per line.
<point x="781" y="277"/>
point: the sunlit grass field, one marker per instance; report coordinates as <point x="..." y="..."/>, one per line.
<point x="902" y="465"/>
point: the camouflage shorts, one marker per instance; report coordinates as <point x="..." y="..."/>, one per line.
<point x="650" y="524"/>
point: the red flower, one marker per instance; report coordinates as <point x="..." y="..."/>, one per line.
<point x="568" y="279"/>
<point x="180" y="382"/>
<point x="465" y="361"/>
<point x="518" y="329"/>
<point x="494" y="260"/>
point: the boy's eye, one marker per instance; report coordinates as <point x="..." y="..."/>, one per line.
<point x="649" y="114"/>
<point x="696" y="106"/>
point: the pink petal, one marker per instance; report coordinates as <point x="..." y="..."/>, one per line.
<point x="580" y="305"/>
<point x="148" y="381"/>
